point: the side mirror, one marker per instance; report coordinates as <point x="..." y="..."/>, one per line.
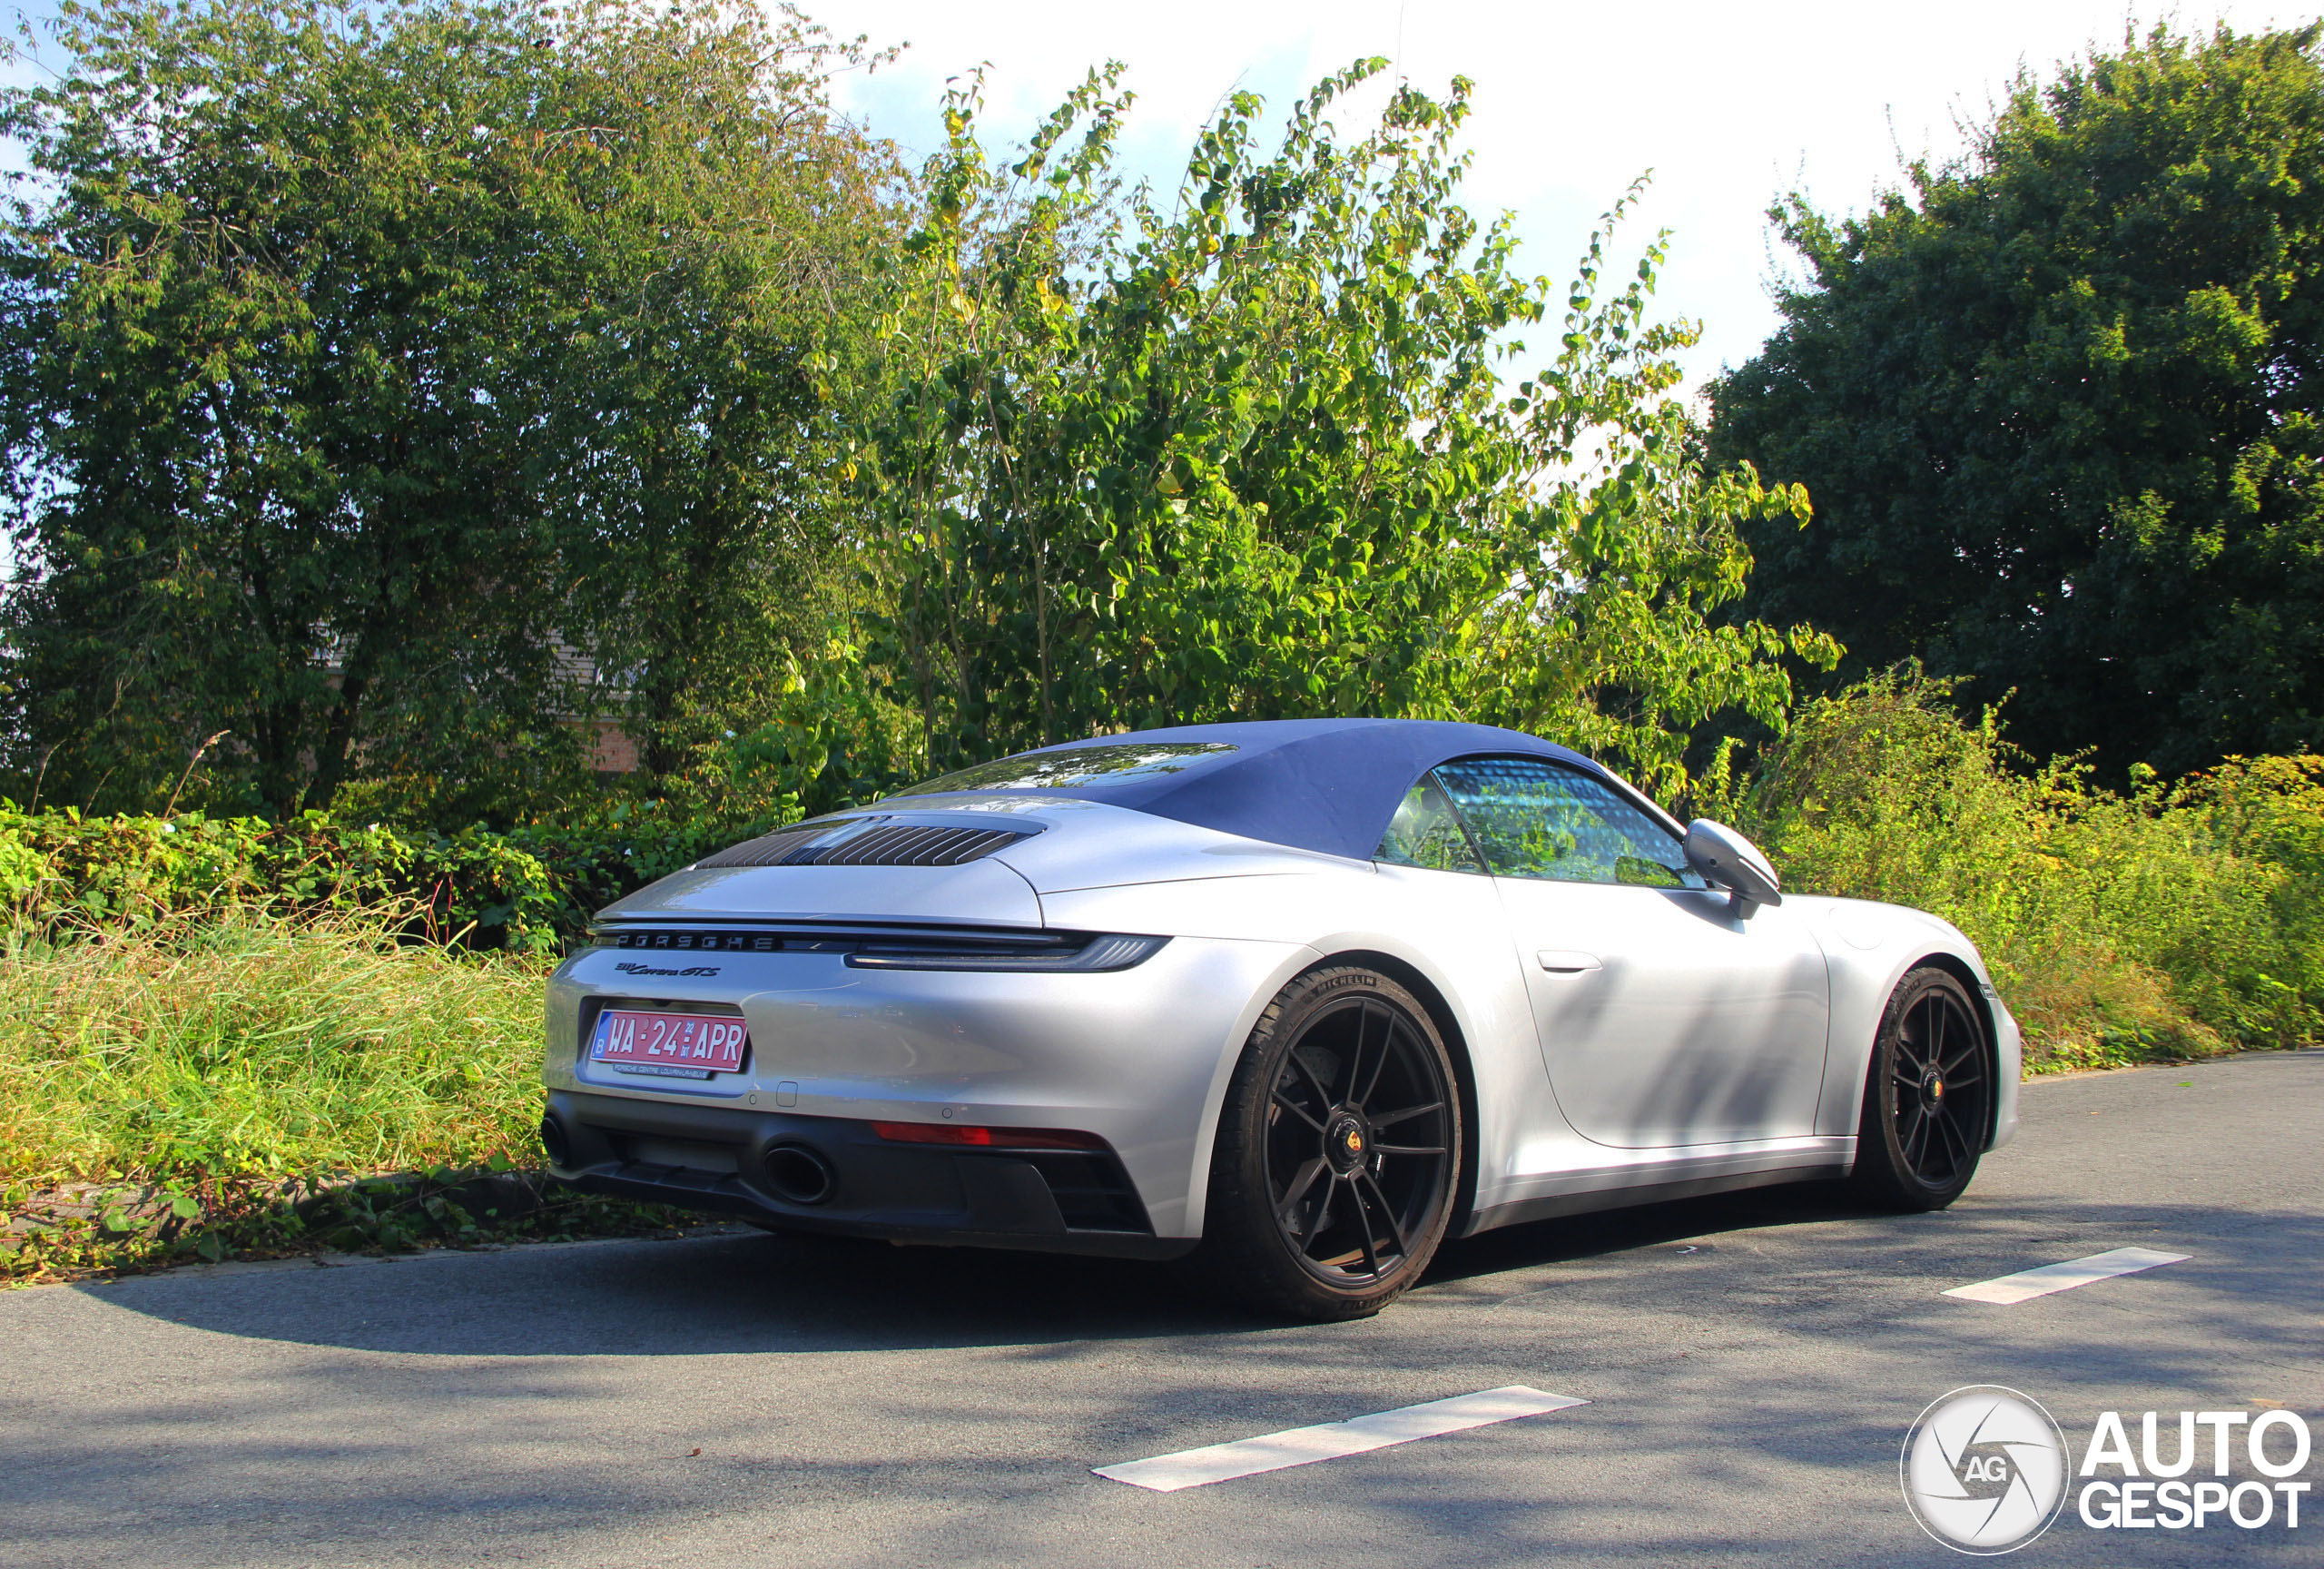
<point x="1725" y="857"/>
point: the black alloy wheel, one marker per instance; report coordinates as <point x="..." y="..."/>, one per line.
<point x="1929" y="1097"/>
<point x="1338" y="1151"/>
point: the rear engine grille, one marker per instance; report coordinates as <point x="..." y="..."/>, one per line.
<point x="908" y="847"/>
<point x="868" y="842"/>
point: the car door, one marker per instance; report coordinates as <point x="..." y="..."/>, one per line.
<point x="1665" y="1017"/>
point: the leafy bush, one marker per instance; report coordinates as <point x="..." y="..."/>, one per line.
<point x="2172" y="920"/>
<point x="526" y="889"/>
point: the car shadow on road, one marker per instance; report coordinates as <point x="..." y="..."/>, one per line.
<point x="745" y="1293"/>
<point x="741" y="1291"/>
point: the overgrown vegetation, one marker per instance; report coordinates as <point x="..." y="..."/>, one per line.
<point x="2170" y="920"/>
<point x="245" y="1045"/>
<point x="239" y="1084"/>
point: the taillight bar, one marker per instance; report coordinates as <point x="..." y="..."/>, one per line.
<point x="967" y="1136"/>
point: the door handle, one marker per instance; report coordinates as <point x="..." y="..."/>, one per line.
<point x="1568" y="960"/>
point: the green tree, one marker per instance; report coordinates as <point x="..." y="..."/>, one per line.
<point x="2057" y="407"/>
<point x="362" y="364"/>
<point x="1252" y="454"/>
<point x="718" y="236"/>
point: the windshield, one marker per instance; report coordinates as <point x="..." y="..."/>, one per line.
<point x="1076" y="768"/>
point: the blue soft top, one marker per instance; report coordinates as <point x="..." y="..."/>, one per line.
<point x="1327" y="784"/>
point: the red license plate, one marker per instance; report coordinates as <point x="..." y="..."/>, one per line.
<point x="696" y="1045"/>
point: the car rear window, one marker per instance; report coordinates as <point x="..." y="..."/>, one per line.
<point x="1077" y="767"/>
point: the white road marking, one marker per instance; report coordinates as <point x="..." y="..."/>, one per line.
<point x="2027" y="1284"/>
<point x="1331" y="1440"/>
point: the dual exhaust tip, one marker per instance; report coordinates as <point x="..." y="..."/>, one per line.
<point x="794" y="1172"/>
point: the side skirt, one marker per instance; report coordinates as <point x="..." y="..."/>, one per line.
<point x="1553" y="1206"/>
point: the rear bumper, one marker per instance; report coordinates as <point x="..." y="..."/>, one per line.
<point x="716" y="1159"/>
<point x="1138" y="1056"/>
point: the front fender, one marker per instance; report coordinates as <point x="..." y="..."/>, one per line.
<point x="1870" y="947"/>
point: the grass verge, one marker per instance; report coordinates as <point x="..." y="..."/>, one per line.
<point x="244" y="1086"/>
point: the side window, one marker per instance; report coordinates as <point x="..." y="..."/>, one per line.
<point x="1532" y="818"/>
<point x="1425" y="832"/>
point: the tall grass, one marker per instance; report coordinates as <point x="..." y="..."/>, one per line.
<point x="2166" y="920"/>
<point x="246" y="1045"/>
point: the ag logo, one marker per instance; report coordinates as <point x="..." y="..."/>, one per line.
<point x="1985" y="1470"/>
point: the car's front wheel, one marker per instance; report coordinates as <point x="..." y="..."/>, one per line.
<point x="1927" y="1097"/>
<point x="1338" y="1151"/>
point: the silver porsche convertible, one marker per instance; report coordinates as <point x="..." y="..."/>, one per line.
<point x="1301" y="999"/>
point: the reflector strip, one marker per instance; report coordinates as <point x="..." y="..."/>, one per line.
<point x="1332" y="1440"/>
<point x="986" y="1138"/>
<point x="2028" y="1284"/>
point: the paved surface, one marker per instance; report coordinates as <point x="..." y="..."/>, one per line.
<point x="1752" y="1364"/>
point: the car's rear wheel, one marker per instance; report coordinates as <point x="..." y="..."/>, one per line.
<point x="1928" y="1096"/>
<point x="1338" y="1151"/>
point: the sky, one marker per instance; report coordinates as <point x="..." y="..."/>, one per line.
<point x="1727" y="105"/>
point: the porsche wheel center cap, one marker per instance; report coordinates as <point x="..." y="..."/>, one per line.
<point x="1933" y="1089"/>
<point x="1345" y="1142"/>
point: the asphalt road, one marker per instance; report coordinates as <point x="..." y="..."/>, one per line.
<point x="1751" y="1363"/>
